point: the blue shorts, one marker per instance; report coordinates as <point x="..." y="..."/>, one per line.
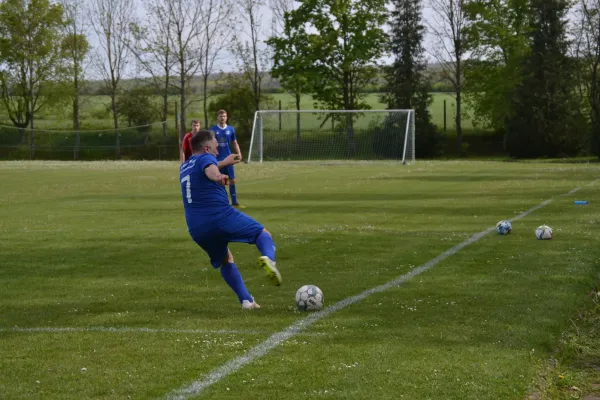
<point x="214" y="238"/>
<point x="228" y="170"/>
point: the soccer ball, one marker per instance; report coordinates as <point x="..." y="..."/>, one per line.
<point x="543" y="232"/>
<point x="309" y="298"/>
<point x="503" y="227"/>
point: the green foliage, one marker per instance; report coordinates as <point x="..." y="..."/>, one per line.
<point x="407" y="86"/>
<point x="30" y="56"/>
<point x="238" y="101"/>
<point x="290" y="64"/>
<point x="499" y="40"/>
<point x="546" y="120"/>
<point x="337" y="54"/>
<point x="136" y="105"/>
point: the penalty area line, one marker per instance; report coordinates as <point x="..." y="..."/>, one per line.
<point x="262" y="349"/>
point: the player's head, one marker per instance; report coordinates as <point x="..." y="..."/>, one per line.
<point x="222" y="117"/>
<point x="205" y="142"/>
<point x="195" y="126"/>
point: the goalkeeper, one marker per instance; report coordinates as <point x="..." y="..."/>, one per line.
<point x="213" y="223"/>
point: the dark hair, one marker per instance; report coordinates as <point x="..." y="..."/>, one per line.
<point x="201" y="139"/>
<point x="222" y="112"/>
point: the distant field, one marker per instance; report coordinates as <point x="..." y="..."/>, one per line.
<point x="103" y="295"/>
<point x="95" y="112"/>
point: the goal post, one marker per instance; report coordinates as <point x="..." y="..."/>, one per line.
<point x="279" y="135"/>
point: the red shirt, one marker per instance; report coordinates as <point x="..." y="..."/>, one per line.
<point x="186" y="146"/>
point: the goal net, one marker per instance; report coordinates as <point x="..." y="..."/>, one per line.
<point x="333" y="135"/>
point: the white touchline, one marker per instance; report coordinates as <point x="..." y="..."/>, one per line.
<point x="214" y="376"/>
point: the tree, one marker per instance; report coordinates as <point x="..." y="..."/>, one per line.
<point x="111" y="23"/>
<point x="135" y="105"/>
<point x="546" y="120"/>
<point x="216" y="31"/>
<point x="498" y="33"/>
<point x="341" y="42"/>
<point x="448" y="26"/>
<point x="238" y="101"/>
<point x="151" y="46"/>
<point x="75" y="48"/>
<point x="252" y="59"/>
<point x="344" y="42"/>
<point x="407" y="85"/>
<point x="587" y="52"/>
<point x="186" y="18"/>
<point x="290" y="64"/>
<point x="30" y="57"/>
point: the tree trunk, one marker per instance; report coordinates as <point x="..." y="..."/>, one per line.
<point x="182" y="100"/>
<point x="459" y="138"/>
<point x="297" y="117"/>
<point x="76" y="125"/>
<point x="205" y="99"/>
<point x="32" y="140"/>
<point x="113" y="103"/>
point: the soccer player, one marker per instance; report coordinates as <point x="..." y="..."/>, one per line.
<point x="186" y="147"/>
<point x="225" y="135"/>
<point x="213" y="223"/>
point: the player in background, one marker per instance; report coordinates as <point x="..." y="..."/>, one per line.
<point x="225" y="135"/>
<point x="186" y="147"/>
<point x="213" y="223"/>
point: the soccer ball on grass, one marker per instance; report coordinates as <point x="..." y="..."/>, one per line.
<point x="309" y="298"/>
<point x="543" y="232"/>
<point x="503" y="227"/>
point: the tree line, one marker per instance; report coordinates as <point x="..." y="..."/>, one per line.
<point x="527" y="68"/>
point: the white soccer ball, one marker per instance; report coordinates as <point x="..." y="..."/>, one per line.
<point x="309" y="298"/>
<point x="543" y="232"/>
<point x="503" y="227"/>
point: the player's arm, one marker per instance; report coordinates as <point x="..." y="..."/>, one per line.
<point x="212" y="172"/>
<point x="229" y="160"/>
<point x="236" y="147"/>
<point x="182" y="149"/>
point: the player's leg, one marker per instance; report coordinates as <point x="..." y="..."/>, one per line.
<point x="232" y="189"/>
<point x="220" y="256"/>
<point x="266" y="247"/>
<point x="239" y="227"/>
<point x="232" y="276"/>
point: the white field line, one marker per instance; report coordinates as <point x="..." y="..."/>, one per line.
<point x="117" y="329"/>
<point x="260" y="350"/>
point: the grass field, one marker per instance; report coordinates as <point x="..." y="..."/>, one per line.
<point x="104" y="296"/>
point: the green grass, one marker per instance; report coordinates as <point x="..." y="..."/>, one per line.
<point x="104" y="244"/>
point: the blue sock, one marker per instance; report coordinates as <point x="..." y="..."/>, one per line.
<point x="232" y="276"/>
<point x="233" y="194"/>
<point x="265" y="244"/>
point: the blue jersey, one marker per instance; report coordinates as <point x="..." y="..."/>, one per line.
<point x="224" y="136"/>
<point x="203" y="199"/>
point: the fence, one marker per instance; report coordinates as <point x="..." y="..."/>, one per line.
<point x="149" y="142"/>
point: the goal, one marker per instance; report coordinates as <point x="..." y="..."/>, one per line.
<point x="333" y="135"/>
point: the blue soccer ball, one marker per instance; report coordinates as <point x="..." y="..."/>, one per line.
<point x="503" y="227"/>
